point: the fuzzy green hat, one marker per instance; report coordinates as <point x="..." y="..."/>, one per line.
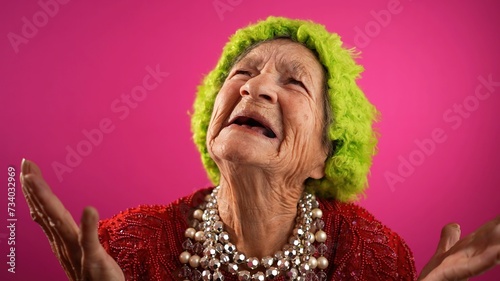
<point x="353" y="138"/>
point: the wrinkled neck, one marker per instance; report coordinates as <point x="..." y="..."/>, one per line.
<point x="258" y="212"/>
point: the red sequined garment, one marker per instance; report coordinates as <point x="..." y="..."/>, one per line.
<point x="146" y="242"/>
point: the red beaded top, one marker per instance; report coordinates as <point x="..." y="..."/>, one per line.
<point x="146" y="242"/>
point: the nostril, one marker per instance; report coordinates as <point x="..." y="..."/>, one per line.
<point x="266" y="97"/>
<point x="244" y="92"/>
<point x="258" y="91"/>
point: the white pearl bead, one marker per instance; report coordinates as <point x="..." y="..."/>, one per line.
<point x="190" y="232"/>
<point x="184" y="257"/>
<point x="199" y="236"/>
<point x="313" y="262"/>
<point x="194" y="261"/>
<point x="320" y="236"/>
<point x="198" y="214"/>
<point x="317" y="213"/>
<point x="322" y="263"/>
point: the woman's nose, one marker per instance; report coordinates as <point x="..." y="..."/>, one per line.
<point x="260" y="87"/>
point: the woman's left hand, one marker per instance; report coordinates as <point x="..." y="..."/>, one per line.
<point x="457" y="259"/>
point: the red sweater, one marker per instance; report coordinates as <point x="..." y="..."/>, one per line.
<point x="146" y="242"/>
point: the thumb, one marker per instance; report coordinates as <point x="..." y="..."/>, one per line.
<point x="89" y="240"/>
<point x="450" y="234"/>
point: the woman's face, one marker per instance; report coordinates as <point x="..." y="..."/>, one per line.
<point x="269" y="112"/>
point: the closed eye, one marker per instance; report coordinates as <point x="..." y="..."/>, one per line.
<point x="243" y="72"/>
<point x="296" y="82"/>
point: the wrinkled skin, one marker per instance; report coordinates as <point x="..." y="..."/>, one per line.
<point x="263" y="168"/>
<point x="279" y="83"/>
<point x="77" y="247"/>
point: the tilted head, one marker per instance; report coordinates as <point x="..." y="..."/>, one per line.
<point x="343" y="133"/>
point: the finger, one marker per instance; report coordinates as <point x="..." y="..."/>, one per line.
<point x="56" y="222"/>
<point x="471" y="263"/>
<point x="56" y="243"/>
<point x="36" y="210"/>
<point x="89" y="239"/>
<point x="50" y="206"/>
<point x="481" y="263"/>
<point x="486" y="255"/>
<point x="29" y="167"/>
<point x="94" y="255"/>
<point x="450" y="234"/>
<point x="28" y="198"/>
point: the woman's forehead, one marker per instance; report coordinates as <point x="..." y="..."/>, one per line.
<point x="286" y="53"/>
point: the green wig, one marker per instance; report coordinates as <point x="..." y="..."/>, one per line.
<point x="351" y="132"/>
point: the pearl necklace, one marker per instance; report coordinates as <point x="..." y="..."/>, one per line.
<point x="212" y="251"/>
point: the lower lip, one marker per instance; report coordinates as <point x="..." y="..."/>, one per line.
<point x="251" y="130"/>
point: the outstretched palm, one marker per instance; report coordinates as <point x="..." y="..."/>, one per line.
<point x="77" y="248"/>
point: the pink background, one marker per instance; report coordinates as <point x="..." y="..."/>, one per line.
<point x="421" y="63"/>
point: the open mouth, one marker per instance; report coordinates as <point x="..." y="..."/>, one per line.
<point x="255" y="125"/>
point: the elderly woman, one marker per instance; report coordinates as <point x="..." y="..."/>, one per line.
<point x="286" y="135"/>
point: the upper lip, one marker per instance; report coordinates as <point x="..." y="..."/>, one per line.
<point x="256" y="116"/>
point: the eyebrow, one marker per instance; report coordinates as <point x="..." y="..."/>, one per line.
<point x="250" y="60"/>
<point x="289" y="65"/>
<point x="299" y="69"/>
<point x="296" y="68"/>
<point x="293" y="65"/>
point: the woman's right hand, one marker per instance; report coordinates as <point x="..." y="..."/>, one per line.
<point x="77" y="248"/>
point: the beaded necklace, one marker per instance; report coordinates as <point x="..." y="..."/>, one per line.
<point x="208" y="250"/>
